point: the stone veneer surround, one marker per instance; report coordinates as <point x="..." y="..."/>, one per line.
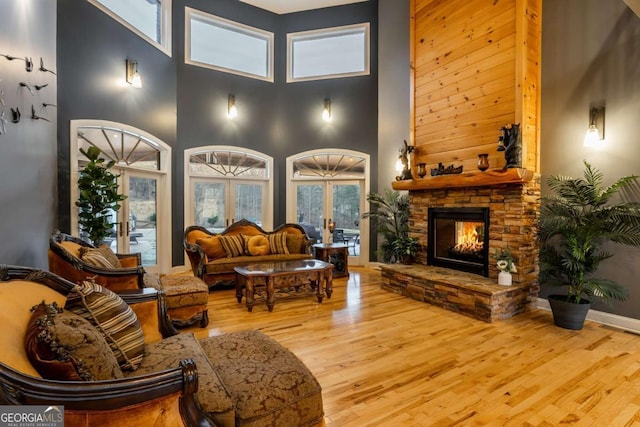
<point x="513" y="209"/>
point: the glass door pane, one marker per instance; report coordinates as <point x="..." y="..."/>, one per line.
<point x="346" y="214"/>
<point x="142" y="211"/>
<point x="249" y="202"/>
<point x="310" y="205"/>
<point x="210" y="205"/>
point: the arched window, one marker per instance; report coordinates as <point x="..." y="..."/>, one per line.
<point x="225" y="184"/>
<point x="143" y="223"/>
<point x="326" y="191"/>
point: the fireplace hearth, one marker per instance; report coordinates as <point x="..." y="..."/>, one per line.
<point x="458" y="238"/>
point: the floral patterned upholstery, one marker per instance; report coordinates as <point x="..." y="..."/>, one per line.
<point x="168" y="353"/>
<point x="187" y="297"/>
<point x="268" y="384"/>
<point x="245" y="379"/>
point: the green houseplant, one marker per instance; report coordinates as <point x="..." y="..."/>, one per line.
<point x="99" y="197"/>
<point x="576" y="219"/>
<point x="391" y="217"/>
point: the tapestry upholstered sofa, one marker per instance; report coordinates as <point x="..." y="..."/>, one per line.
<point x="76" y="260"/>
<point x="213" y="256"/>
<point x="115" y="359"/>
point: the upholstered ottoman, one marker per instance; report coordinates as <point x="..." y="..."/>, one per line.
<point x="267" y="383"/>
<point x="187" y="298"/>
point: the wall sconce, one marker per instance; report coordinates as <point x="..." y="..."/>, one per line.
<point x="595" y="133"/>
<point x="232" y="110"/>
<point x="326" y="111"/>
<point x="133" y="77"/>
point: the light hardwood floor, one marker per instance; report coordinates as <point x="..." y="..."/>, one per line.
<point x="386" y="360"/>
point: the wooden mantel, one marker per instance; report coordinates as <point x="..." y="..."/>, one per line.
<point x="488" y="178"/>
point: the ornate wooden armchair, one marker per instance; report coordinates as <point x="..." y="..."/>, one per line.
<point x="165" y="397"/>
<point x="187" y="297"/>
<point x="65" y="261"/>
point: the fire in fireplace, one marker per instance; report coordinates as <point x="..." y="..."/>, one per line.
<point x="459" y="239"/>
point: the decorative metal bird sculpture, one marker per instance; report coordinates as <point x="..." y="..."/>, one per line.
<point x="46" y="104"/>
<point x="15" y="115"/>
<point x="23" y="84"/>
<point x="9" y="57"/>
<point x="3" y="122"/>
<point x="38" y="87"/>
<point x="34" y="116"/>
<point x="28" y="64"/>
<point x="45" y="69"/>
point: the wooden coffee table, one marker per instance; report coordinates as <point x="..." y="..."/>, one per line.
<point x="277" y="275"/>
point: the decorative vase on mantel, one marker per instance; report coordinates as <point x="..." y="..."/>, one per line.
<point x="483" y="162"/>
<point x="504" y="278"/>
<point x="422" y="169"/>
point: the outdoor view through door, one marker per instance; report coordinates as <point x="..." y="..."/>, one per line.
<point x="328" y="189"/>
<point x="226" y="184"/>
<point x="140" y="164"/>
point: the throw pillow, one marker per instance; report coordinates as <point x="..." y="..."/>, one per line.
<point x="212" y="247"/>
<point x="278" y="243"/>
<point x="94" y="256"/>
<point x="233" y="245"/>
<point x="258" y="245"/>
<point x="295" y="243"/>
<point x="63" y="346"/>
<point x="109" y="255"/>
<point x="113" y="317"/>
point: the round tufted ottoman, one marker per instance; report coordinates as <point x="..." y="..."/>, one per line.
<point x="267" y="383"/>
<point x="187" y="298"/>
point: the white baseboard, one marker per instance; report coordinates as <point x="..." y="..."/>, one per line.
<point x="609" y="319"/>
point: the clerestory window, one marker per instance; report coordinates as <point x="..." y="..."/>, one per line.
<point x="150" y="19"/>
<point x="228" y="46"/>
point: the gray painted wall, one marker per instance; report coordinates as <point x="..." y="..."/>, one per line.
<point x="28" y="149"/>
<point x="591" y="56"/>
<point x="178" y="102"/>
<point x="394" y="86"/>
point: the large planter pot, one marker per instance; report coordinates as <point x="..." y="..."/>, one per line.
<point x="568" y="315"/>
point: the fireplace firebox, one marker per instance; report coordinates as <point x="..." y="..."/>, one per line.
<point x="458" y="238"/>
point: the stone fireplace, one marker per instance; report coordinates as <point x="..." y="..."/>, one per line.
<point x="508" y="202"/>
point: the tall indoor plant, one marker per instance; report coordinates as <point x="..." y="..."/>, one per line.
<point x="99" y="197"/>
<point x="391" y="217"/>
<point x="576" y="219"/>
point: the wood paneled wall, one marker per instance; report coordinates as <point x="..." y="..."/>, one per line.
<point x="476" y="68"/>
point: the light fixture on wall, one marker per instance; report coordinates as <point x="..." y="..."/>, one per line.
<point x="133" y="77"/>
<point x="595" y="133"/>
<point x="232" y="110"/>
<point x="326" y="111"/>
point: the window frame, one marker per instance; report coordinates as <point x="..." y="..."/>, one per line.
<point x="248" y="30"/>
<point x="325" y="33"/>
<point x="267" y="182"/>
<point x="165" y="25"/>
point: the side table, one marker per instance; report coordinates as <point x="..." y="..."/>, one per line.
<point x="336" y="254"/>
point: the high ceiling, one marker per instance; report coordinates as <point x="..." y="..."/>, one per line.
<point x="288" y="6"/>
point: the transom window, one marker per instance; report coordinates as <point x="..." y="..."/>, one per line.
<point x="229" y="163"/>
<point x="228" y="46"/>
<point x="329" y="165"/>
<point x="328" y="53"/>
<point x="122" y="146"/>
<point x="150" y="19"/>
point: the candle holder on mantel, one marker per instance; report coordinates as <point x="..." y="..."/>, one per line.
<point x="483" y="162"/>
<point x="422" y="170"/>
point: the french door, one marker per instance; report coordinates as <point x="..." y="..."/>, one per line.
<point x="330" y="205"/>
<point x="218" y="203"/>
<point x="135" y="227"/>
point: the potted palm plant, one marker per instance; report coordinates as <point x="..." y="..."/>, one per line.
<point x="99" y="197"/>
<point x="391" y="217"/>
<point x="576" y="219"/>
